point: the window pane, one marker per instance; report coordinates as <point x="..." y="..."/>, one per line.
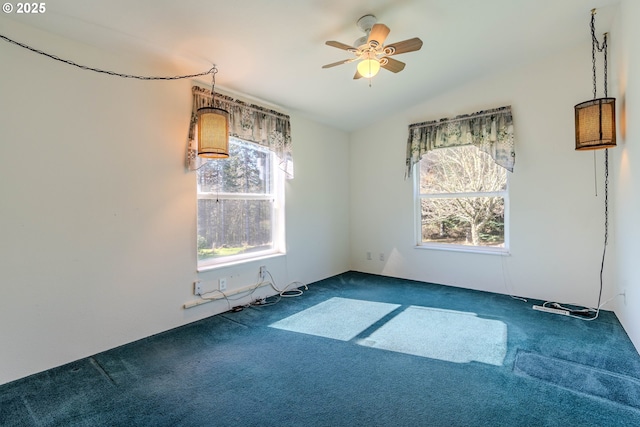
<point x="477" y="221"/>
<point x="236" y="200"/>
<point x="460" y="170"/>
<point x="245" y="171"/>
<point x="232" y="227"/>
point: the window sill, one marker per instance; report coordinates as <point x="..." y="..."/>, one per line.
<point x="463" y="248"/>
<point x="238" y="262"/>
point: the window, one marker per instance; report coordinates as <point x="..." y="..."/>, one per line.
<point x="462" y="200"/>
<point x="240" y="206"/>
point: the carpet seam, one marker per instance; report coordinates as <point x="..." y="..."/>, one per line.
<point x="102" y="371"/>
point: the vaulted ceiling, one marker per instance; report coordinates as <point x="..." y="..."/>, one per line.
<point x="273" y="50"/>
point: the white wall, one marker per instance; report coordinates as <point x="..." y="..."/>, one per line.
<point x="556" y="220"/>
<point x="626" y="210"/>
<point x="97" y="220"/>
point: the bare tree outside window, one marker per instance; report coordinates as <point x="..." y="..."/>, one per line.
<point x="462" y="198"/>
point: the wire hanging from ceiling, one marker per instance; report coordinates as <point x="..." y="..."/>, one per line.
<point x="98" y="70"/>
<point x="588" y="313"/>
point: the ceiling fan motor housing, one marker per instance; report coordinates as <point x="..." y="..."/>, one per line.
<point x="366" y="23"/>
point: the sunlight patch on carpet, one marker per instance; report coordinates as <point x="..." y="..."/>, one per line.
<point x="454" y="336"/>
<point x="338" y="318"/>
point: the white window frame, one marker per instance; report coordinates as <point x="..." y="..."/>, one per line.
<point x="418" y="197"/>
<point x="277" y="214"/>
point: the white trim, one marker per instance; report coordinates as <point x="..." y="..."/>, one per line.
<point x="500" y="193"/>
<point x="490" y="250"/>
<point x="236" y="196"/>
<point x="233" y="263"/>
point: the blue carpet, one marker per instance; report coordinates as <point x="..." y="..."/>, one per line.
<point x="584" y="379"/>
<point x="235" y="369"/>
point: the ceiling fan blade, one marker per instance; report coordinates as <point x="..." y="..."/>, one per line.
<point x="333" y="64"/>
<point x="393" y="65"/>
<point x="357" y="75"/>
<point x="339" y="45"/>
<point x="405" y="46"/>
<point x="379" y="33"/>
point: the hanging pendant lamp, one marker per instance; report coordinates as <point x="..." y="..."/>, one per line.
<point x="596" y="119"/>
<point x="213" y="128"/>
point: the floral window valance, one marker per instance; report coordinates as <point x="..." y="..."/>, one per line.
<point x="248" y="122"/>
<point x="490" y="130"/>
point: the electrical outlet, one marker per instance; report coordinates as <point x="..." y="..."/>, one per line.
<point x="381" y="257"/>
<point x="222" y="283"/>
<point x="369" y="256"/>
<point x="263" y="272"/>
<point x="197" y="288"/>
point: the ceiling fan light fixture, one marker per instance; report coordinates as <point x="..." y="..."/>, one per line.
<point x="368" y="67"/>
<point x="371" y="52"/>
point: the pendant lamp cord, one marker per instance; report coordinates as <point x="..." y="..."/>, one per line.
<point x="213" y="71"/>
<point x="606" y="220"/>
<point x="586" y="313"/>
<point x="98" y="70"/>
<point x="595" y="45"/>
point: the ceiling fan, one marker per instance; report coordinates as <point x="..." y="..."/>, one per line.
<point x="371" y="51"/>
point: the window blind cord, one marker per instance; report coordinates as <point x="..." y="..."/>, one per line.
<point x="98" y="70"/>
